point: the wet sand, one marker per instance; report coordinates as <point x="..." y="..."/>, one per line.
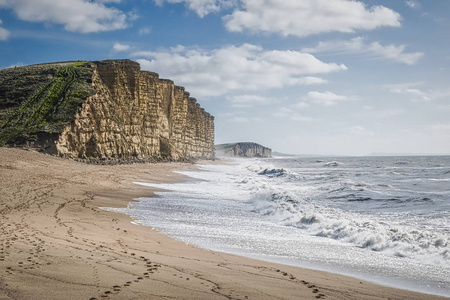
<point x="56" y="243"/>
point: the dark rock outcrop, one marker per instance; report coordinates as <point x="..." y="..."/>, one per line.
<point x="243" y="150"/>
<point x="102" y="110"/>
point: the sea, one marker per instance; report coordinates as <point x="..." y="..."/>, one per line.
<point x="381" y="219"/>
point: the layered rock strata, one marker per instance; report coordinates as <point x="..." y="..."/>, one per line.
<point x="122" y="114"/>
<point x="243" y="150"/>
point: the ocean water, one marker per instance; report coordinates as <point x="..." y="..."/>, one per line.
<point x="382" y="219"/>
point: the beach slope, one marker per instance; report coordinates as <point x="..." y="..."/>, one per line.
<point x="56" y="243"/>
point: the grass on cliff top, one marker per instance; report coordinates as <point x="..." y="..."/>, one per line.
<point x="52" y="106"/>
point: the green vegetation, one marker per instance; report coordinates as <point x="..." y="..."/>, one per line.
<point x="51" y="107"/>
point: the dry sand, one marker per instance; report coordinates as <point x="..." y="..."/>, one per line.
<point x="55" y="243"/>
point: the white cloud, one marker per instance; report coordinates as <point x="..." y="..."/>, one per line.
<point x="395" y="53"/>
<point x="243" y="120"/>
<point x="301" y="118"/>
<point x="325" y="98"/>
<point x="287" y="113"/>
<point x="249" y="100"/>
<point x="76" y="15"/>
<point x="375" y="49"/>
<point x="307" y="17"/>
<point x="133" y="15"/>
<point x="413" y="3"/>
<point x="107" y="1"/>
<point x="302" y="105"/>
<point x="339" y="47"/>
<point x="118" y="47"/>
<point x="203" y="7"/>
<point x="310" y="80"/>
<point x="235" y="68"/>
<point x="4" y="34"/>
<point x="417" y="93"/>
<point x="283" y="112"/>
<point x="145" y="30"/>
<point x="414" y="93"/>
<point x="239" y="120"/>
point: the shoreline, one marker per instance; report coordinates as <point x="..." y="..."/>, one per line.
<point x="56" y="243"/>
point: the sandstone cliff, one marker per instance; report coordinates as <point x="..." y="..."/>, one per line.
<point x="103" y="110"/>
<point x="243" y="150"/>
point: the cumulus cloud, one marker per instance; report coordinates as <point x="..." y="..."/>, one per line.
<point x="235" y="68"/>
<point x="4" y="34"/>
<point x="202" y="7"/>
<point x="375" y="49"/>
<point x="118" y="47"/>
<point x="82" y="16"/>
<point x="308" y="17"/>
<point x="294" y="17"/>
<point x="324" y="98"/>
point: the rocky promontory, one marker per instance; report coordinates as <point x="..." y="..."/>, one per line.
<point x="243" y="150"/>
<point x="102" y="111"/>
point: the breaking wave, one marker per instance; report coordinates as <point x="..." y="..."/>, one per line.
<point x="370" y="215"/>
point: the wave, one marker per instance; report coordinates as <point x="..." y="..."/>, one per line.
<point x="332" y="164"/>
<point x="315" y="203"/>
<point x="355" y="228"/>
<point x="273" y="172"/>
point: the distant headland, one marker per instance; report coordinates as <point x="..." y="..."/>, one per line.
<point x="243" y="150"/>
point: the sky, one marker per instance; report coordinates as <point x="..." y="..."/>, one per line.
<point x="328" y="77"/>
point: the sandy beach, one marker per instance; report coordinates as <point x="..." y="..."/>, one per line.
<point x="56" y="243"/>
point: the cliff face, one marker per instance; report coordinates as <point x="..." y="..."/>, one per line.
<point x="243" y="150"/>
<point x="121" y="113"/>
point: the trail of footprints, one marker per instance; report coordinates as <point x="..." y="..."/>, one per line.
<point x="116" y="289"/>
<point x="13" y="233"/>
<point x="313" y="288"/>
<point x="285" y="275"/>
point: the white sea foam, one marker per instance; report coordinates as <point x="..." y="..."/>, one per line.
<point x="348" y="218"/>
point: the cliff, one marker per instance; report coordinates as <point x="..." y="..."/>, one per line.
<point x="102" y="111"/>
<point x="243" y="150"/>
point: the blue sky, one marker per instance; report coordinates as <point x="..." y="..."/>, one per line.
<point x="300" y="76"/>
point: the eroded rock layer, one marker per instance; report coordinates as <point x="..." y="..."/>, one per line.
<point x="124" y="114"/>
